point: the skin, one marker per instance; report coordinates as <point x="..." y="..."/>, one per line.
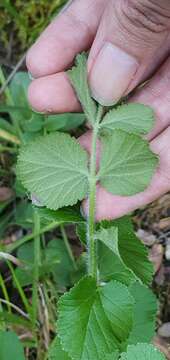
<point x="136" y="37"/>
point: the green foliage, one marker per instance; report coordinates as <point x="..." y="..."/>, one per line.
<point x="56" y="351"/>
<point x="142" y="352"/>
<point x="26" y="20"/>
<point x="128" y="118"/>
<point x="10" y="346"/>
<point x="127" y="163"/>
<point x="109" y="308"/>
<point x="55" y="169"/>
<point x="102" y="318"/>
<point x="145" y="310"/>
<point x="78" y="78"/>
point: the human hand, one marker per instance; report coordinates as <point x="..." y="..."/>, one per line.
<point x="128" y="40"/>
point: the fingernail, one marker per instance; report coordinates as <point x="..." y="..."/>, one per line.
<point x="112" y="74"/>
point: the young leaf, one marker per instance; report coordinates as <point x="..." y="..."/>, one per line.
<point x="10" y="346"/>
<point x="56" y="352"/>
<point x="54" y="168"/>
<point x="109" y="237"/>
<point x="78" y="78"/>
<point x="133" y="118"/>
<point x="133" y="252"/>
<point x="127" y="247"/>
<point x="145" y="310"/>
<point x="111" y="267"/>
<point x="127" y="163"/>
<point x="142" y="352"/>
<point x="94" y="321"/>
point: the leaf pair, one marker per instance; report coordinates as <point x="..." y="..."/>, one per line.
<point x="55" y="167"/>
<point x="97" y="322"/>
<point x="138" y="352"/>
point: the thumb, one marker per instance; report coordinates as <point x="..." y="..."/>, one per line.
<point x="132" y="40"/>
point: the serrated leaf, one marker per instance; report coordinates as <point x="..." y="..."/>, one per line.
<point x="133" y="118"/>
<point x="78" y="78"/>
<point x="56" y="352"/>
<point x="145" y="311"/>
<point x="109" y="237"/>
<point x="133" y="253"/>
<point x="142" y="352"/>
<point x="54" y="168"/>
<point x="102" y="318"/>
<point x="111" y="268"/>
<point x="127" y="164"/>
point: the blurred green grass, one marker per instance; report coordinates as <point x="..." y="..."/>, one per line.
<point x="22" y="21"/>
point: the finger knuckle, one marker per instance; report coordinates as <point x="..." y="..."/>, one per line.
<point x="149" y="15"/>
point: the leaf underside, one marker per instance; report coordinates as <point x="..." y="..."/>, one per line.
<point x="102" y="319"/>
<point x="56" y="352"/>
<point x="133" y="118"/>
<point x="78" y="78"/>
<point x="128" y="248"/>
<point x="142" y="352"/>
<point x="54" y="168"/>
<point x="127" y="164"/>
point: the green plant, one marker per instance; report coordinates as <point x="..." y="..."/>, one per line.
<point x="110" y="313"/>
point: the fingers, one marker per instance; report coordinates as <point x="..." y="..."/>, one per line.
<point x="70" y="33"/>
<point x="156" y="93"/>
<point x="53" y="94"/>
<point x="131" y="41"/>
<point x="110" y="206"/>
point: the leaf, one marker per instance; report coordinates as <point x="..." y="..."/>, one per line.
<point x="109" y="237"/>
<point x="78" y="78"/>
<point x="5" y="125"/>
<point x="54" y="168"/>
<point x="56" y="352"/>
<point x="127" y="164"/>
<point x="133" y="252"/>
<point x="65" y="215"/>
<point x="113" y="356"/>
<point x="142" y="352"/>
<point x="63" y="122"/>
<point x="61" y="270"/>
<point x="133" y="118"/>
<point x="34" y="124"/>
<point x="10" y="346"/>
<point x="127" y="247"/>
<point x="94" y="321"/>
<point x="81" y="233"/>
<point x="145" y="311"/>
<point x="111" y="267"/>
<point x="19" y="87"/>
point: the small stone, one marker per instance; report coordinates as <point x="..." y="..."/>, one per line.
<point x="164" y="330"/>
<point x="5" y="193"/>
<point x="147" y="238"/>
<point x="156" y="256"/>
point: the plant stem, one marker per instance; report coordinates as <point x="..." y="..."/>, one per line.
<point x="92" y="251"/>
<point x="68" y="247"/>
<point x="37" y="263"/>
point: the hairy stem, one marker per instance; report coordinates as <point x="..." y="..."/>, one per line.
<point x="92" y="251"/>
